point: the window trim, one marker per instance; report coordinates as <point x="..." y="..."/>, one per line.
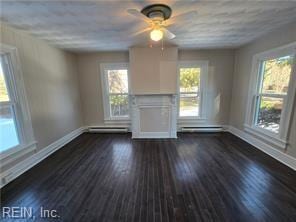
<point x="203" y="65"/>
<point x="16" y="88"/>
<point x="105" y="90"/>
<point x="277" y="139"/>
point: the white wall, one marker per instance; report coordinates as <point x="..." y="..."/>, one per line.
<point x="153" y="71"/>
<point x="220" y="82"/>
<point x="64" y="89"/>
<point x="51" y="84"/>
<point x="221" y="63"/>
<point x="90" y="83"/>
<point x="243" y="65"/>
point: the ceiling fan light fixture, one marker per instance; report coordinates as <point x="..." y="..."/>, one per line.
<point x="156" y="35"/>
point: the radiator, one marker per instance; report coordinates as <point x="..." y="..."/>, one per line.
<point x="108" y="129"/>
<point x="201" y="129"/>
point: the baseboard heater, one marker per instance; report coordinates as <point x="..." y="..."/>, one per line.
<point x="107" y="129"/>
<point x="201" y="129"/>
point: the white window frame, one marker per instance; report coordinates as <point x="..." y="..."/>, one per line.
<point x="105" y="89"/>
<point x="203" y="65"/>
<point x="277" y="139"/>
<point x="23" y="122"/>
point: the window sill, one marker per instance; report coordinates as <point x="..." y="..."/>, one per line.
<point x="14" y="153"/>
<point x="269" y="137"/>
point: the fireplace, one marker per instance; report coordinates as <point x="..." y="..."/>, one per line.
<point x="154" y="116"/>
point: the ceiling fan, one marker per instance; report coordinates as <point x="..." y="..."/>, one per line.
<point x="158" y="17"/>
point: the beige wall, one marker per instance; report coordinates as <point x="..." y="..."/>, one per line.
<point x="221" y="63"/>
<point x="54" y="86"/>
<point x="90" y="83"/>
<point x="220" y="82"/>
<point x="51" y="84"/>
<point x="243" y="65"/>
<point x="153" y="71"/>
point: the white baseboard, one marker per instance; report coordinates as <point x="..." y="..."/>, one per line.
<point x="18" y="169"/>
<point x="266" y="148"/>
<point x="108" y="130"/>
<point x="109" y="126"/>
<point x="201" y="129"/>
<point x="31" y="161"/>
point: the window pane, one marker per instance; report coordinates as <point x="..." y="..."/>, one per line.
<point x="119" y="105"/>
<point x="189" y="105"/>
<point x="269" y="113"/>
<point x="8" y="134"/>
<point x="118" y="81"/>
<point x="276" y="75"/>
<point x="189" y="79"/>
<point x="3" y="88"/>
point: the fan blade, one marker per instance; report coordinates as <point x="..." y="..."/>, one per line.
<point x="169" y="35"/>
<point x="142" y="31"/>
<point x="187" y="17"/>
<point x="139" y="15"/>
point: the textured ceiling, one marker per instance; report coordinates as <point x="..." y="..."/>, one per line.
<point x="105" y="25"/>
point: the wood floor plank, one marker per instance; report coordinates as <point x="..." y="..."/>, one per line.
<point x="197" y="177"/>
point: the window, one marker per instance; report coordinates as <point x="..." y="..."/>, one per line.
<point x="115" y="91"/>
<point x="8" y="128"/>
<point x="192" y="76"/>
<point x="189" y="91"/>
<point x="16" y="131"/>
<point x="271" y="90"/>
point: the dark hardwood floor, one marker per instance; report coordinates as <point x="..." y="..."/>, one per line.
<point x="198" y="177"/>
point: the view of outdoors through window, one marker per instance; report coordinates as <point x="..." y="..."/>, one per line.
<point x="8" y="134"/>
<point x="189" y="92"/>
<point x="118" y="92"/>
<point x="273" y="90"/>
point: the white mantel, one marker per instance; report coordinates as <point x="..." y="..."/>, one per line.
<point x="154" y="116"/>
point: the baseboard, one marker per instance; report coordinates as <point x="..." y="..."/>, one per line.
<point x="12" y="173"/>
<point x="109" y="127"/>
<point x="201" y="129"/>
<point x="207" y="128"/>
<point x="18" y="169"/>
<point x="266" y="148"/>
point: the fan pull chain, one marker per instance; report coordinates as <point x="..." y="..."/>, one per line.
<point x="162" y="48"/>
<point x="150" y="44"/>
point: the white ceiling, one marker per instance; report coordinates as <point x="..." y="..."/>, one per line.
<point x="105" y="25"/>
